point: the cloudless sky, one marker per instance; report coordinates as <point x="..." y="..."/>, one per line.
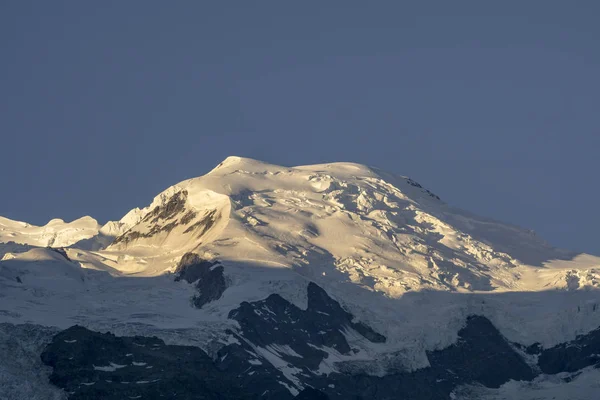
<point x="494" y="106"/>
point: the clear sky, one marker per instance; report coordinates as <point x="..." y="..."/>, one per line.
<point x="494" y="106"/>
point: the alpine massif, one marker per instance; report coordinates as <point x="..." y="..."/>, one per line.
<point x="332" y="281"/>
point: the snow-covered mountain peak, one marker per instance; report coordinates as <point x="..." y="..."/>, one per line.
<point x="362" y="233"/>
<point x="249" y="165"/>
<point x="254" y="190"/>
<point x="302" y="273"/>
<point x="56" y="232"/>
<point x="334" y="222"/>
<point x="242" y="163"/>
<point x="238" y="174"/>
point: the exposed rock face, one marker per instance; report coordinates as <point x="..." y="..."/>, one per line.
<point x="61" y="251"/>
<point x="418" y="185"/>
<point x="203" y="225"/>
<point x="582" y="352"/>
<point x="276" y="321"/>
<point x="311" y="394"/>
<point x="207" y="276"/>
<point x="278" y="351"/>
<point x="173" y="207"/>
<point x="91" y="365"/>
<point x="157" y="218"/>
<point x="252" y="370"/>
<point x="469" y="358"/>
<point x="481" y="355"/>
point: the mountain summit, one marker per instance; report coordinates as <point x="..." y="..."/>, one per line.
<point x="314" y="271"/>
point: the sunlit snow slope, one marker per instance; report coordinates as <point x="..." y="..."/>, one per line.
<point x="379" y="231"/>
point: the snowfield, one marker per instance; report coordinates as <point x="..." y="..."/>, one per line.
<point x="391" y="252"/>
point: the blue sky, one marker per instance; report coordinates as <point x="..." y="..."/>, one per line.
<point x="492" y="105"/>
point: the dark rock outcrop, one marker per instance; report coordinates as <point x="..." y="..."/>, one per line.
<point x="203" y="225"/>
<point x="251" y="369"/>
<point x="480" y="356"/>
<point x="206" y="275"/>
<point x="275" y="339"/>
<point x="188" y="217"/>
<point x="311" y="394"/>
<point x="418" y="185"/>
<point x="91" y="365"/>
<point x="165" y="218"/>
<point x="582" y="352"/>
<point x="61" y="251"/>
<point x="170" y="209"/>
<point x="157" y="218"/>
<point x="276" y="321"/>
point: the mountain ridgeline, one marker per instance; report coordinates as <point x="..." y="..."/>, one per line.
<point x="91" y="365"/>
